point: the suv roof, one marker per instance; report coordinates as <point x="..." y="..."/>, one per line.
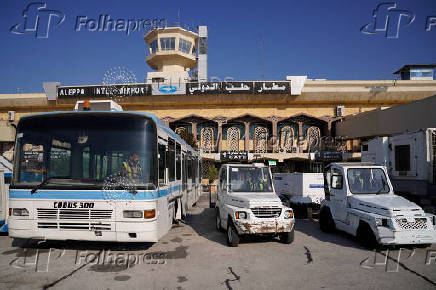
<point x="245" y="164"/>
<point x="354" y="164"/>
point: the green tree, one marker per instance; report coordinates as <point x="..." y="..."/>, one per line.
<point x="212" y="174"/>
<point x="188" y="138"/>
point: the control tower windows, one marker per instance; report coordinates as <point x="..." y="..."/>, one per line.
<point x="168" y="43"/>
<point x="184" y="46"/>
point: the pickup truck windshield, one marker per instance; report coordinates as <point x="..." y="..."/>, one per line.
<point x="250" y="179"/>
<point x="367" y="181"/>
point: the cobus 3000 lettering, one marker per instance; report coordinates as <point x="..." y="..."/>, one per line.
<point x="73" y="204"/>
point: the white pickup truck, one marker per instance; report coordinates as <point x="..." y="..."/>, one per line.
<point x="359" y="200"/>
<point x="248" y="205"/>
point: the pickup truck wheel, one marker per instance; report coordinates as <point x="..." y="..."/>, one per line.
<point x="218" y="221"/>
<point x="366" y="237"/>
<point x="326" y="222"/>
<point x="232" y="236"/>
<point x="287" y="238"/>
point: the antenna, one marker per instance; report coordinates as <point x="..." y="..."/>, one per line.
<point x="178" y="17"/>
<point x="261" y="58"/>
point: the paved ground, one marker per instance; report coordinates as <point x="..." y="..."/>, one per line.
<point x="195" y="256"/>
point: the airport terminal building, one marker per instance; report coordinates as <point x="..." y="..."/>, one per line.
<point x="290" y="122"/>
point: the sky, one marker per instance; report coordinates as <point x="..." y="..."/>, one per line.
<point x="317" y="38"/>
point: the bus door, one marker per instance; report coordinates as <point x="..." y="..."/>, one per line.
<point x="3" y="202"/>
<point x="184" y="175"/>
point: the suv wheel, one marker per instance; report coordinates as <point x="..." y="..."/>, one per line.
<point x="326" y="222"/>
<point x="366" y="237"/>
<point x="218" y="220"/>
<point x="232" y="235"/>
<point x="287" y="238"/>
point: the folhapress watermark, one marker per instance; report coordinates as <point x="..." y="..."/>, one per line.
<point x="42" y="260"/>
<point x="387" y="19"/>
<point x="38" y="20"/>
<point x="392" y="260"/>
<point x="105" y="23"/>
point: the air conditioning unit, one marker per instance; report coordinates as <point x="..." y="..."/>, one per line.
<point x="340" y="111"/>
<point x="11" y="116"/>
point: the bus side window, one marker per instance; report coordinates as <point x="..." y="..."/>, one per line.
<point x="171" y="160"/>
<point x="190" y="161"/>
<point x="86" y="161"/>
<point x="178" y="162"/>
<point x="162" y="163"/>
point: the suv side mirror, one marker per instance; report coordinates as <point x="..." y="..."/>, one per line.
<point x="337" y="181"/>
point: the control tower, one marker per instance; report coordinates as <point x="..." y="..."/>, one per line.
<point x="174" y="51"/>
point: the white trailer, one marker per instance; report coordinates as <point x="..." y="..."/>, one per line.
<point x="303" y="191"/>
<point x="410" y="160"/>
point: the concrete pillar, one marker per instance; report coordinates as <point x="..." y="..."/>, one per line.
<point x="220" y="135"/>
<point x="194" y="130"/>
<point x="247" y="136"/>
<point x="274" y="133"/>
<point x="300" y="134"/>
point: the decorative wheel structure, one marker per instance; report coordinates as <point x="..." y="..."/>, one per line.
<point x="233" y="135"/>
<point x="260" y="139"/>
<point x="116" y="76"/>
<point x="313" y="138"/>
<point x="206" y="139"/>
<point x="286" y="138"/>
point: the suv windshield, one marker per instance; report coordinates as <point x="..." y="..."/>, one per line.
<point x="367" y="181"/>
<point x="250" y="179"/>
<point x="86" y="150"/>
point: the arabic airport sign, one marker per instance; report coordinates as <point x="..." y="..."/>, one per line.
<point x="272" y="88"/>
<point x="104" y="90"/>
<point x="136" y="90"/>
<point x="237" y="87"/>
<point x="203" y="88"/>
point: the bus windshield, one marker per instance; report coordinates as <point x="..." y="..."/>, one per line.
<point x="86" y="150"/>
<point x="250" y="179"/>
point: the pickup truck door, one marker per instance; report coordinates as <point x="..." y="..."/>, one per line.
<point x="338" y="195"/>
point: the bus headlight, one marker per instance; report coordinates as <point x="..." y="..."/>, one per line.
<point x="136" y="214"/>
<point x="240" y="215"/>
<point x="289" y="214"/>
<point x="149" y="214"/>
<point x="20" y="212"/>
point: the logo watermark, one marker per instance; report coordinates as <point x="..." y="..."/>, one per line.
<point x="105" y="23"/>
<point x="388" y="20"/>
<point x="40" y="259"/>
<point x="37" y="20"/>
<point x="392" y="260"/>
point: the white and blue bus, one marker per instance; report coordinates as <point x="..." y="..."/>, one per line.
<point x="68" y="180"/>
